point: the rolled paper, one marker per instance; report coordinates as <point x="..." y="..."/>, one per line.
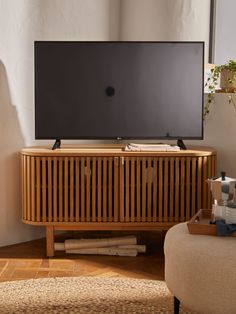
<point x="104" y="251"/>
<point x="58" y="246"/>
<point x="139" y="248"/>
<point x="71" y="244"/>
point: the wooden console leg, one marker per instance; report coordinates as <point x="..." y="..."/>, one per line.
<point x="50" y="241"/>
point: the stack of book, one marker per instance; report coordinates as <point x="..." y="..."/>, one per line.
<point x="152" y="147"/>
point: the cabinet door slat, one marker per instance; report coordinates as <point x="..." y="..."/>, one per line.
<point x="88" y="178"/>
<point x="144" y="180"/>
<point x="131" y="190"/>
<point x="66" y="209"/>
<point x="55" y="189"/>
<point x="199" y="184"/>
<point x="44" y="189"/>
<point x="121" y="190"/>
<point x="49" y="188"/>
<point x="72" y="199"/>
<point x="160" y="189"/>
<point x="99" y="187"/>
<point x="149" y="189"/>
<point x="77" y="191"/>
<point x="110" y="185"/>
<point x="94" y="198"/>
<point x="182" y="189"/>
<point x="28" y="179"/>
<point x="32" y="183"/>
<point x="82" y="189"/>
<point x="38" y="190"/>
<point x="177" y="189"/>
<point x="127" y="188"/>
<point x="116" y="188"/>
<point x="171" y="195"/>
<point x="166" y="186"/>
<point x="154" y="208"/>
<point x="188" y="186"/>
<point x="104" y="190"/>
<point x="138" y="189"/>
<point x="193" y="192"/>
<point x="60" y="189"/>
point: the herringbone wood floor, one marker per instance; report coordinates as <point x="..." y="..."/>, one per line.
<point x="28" y="260"/>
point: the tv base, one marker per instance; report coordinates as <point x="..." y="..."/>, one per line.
<point x="57" y="144"/>
<point x="181" y="144"/>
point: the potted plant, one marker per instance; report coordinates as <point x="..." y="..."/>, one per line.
<point x="223" y="76"/>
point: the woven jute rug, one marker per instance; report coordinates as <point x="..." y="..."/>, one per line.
<point x="86" y="295"/>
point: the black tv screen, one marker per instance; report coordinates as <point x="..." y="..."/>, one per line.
<point x="110" y="90"/>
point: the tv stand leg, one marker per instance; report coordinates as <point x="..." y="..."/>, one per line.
<point x="57" y="144"/>
<point x="181" y="144"/>
<point x="50" y="241"/>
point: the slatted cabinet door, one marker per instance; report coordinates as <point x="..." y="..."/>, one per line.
<point x="117" y="191"/>
<point x="163" y="190"/>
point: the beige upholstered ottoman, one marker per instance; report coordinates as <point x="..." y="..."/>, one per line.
<point x="200" y="270"/>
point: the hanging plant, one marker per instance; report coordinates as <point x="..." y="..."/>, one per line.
<point x="225" y="76"/>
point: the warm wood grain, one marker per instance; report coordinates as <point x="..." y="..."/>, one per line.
<point x="66" y="186"/>
<point x="94" y="187"/>
<point x="144" y="180"/>
<point x="55" y="190"/>
<point x="104" y="189"/>
<point x="82" y="198"/>
<point x="50" y="241"/>
<point x="72" y="198"/>
<point x="160" y="192"/>
<point x="127" y="193"/>
<point x="171" y="194"/>
<point x="28" y="188"/>
<point x="182" y="189"/>
<point x="32" y="187"/>
<point x="99" y="188"/>
<point x="110" y="188"/>
<point x="27" y="260"/>
<point x="154" y="191"/>
<point x="116" y="189"/>
<point x="135" y="192"/>
<point x="149" y="189"/>
<point x="44" y="190"/>
<point x="177" y="185"/>
<point x="111" y="150"/>
<point x="88" y="179"/>
<point x="166" y="186"/>
<point x="60" y="191"/>
<point x="121" y="190"/>
<point x="49" y="188"/>
<point x="77" y="191"/>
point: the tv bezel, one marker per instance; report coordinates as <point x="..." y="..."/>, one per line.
<point x="126" y="137"/>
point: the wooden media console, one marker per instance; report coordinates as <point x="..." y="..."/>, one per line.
<point x="103" y="187"/>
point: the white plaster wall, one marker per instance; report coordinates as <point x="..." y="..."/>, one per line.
<point x="174" y="20"/>
<point x="225" y="45"/>
<point x="22" y="22"/>
<point x="219" y="132"/>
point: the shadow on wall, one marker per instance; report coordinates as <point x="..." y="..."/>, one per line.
<point x="12" y="230"/>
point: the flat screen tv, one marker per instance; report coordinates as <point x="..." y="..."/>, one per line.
<point x="119" y="90"/>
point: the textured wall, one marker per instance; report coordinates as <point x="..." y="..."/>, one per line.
<point x="22" y="22"/>
<point x="225" y="31"/>
<point x="165" y="20"/>
<point x="219" y="132"/>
